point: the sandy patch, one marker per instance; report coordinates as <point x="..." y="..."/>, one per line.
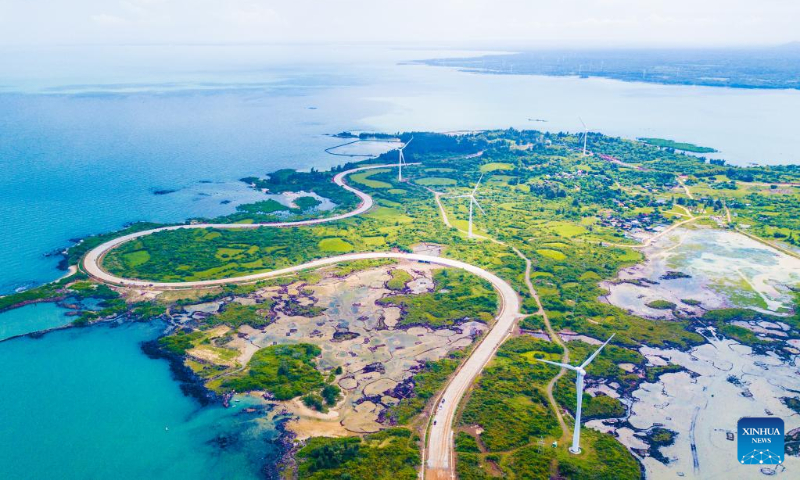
<point x="730" y="382"/>
<point x="725" y="268"/>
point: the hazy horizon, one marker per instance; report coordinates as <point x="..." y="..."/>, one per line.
<point x="467" y="24"/>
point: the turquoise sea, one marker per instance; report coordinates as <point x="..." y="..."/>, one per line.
<point x="89" y="135"/>
<point x="87" y="404"/>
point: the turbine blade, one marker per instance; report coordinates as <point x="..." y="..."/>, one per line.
<point x="596" y="352"/>
<point x="563" y="365"/>
<point x="478" y="204"/>
<point x="409" y="141"/>
<point x="584" y="125"/>
<point x="476" y="185"/>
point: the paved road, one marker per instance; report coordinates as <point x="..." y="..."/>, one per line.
<point x="93" y="259"/>
<point x="439" y="451"/>
<point x="438" y="471"/>
<point x="440" y="461"/>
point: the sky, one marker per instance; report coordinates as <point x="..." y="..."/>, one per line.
<point x="532" y="23"/>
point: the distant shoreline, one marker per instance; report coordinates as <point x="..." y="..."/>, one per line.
<point x="731" y="68"/>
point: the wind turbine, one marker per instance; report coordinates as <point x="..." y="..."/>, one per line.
<point x="585" y="134"/>
<point x="401" y="160"/>
<point x="472" y="202"/>
<point x="576" y="431"/>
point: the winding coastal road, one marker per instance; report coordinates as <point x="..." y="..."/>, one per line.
<point x="439" y="450"/>
<point x="93" y="259"/>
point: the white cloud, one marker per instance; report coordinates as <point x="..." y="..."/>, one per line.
<point x="566" y="22"/>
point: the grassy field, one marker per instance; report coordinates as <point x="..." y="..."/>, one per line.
<point x="458" y="296"/>
<point x="286" y="371"/>
<point x="518" y="426"/>
<point x="538" y="198"/>
<point x="363" y="178"/>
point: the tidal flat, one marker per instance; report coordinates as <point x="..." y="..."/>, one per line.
<point x="376" y="356"/>
<point x="711" y="269"/>
<point x="722" y="382"/>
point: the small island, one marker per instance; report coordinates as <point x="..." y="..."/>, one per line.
<point x="686" y="147"/>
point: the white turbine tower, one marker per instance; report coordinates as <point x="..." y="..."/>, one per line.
<point x="472" y="202"/>
<point x="576" y="431"/>
<point x="585" y="134"/>
<point x="401" y="160"/>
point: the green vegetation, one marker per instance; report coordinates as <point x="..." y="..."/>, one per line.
<point x="427" y="383"/>
<point x="42" y="293"/>
<point x="661" y="305"/>
<point x="436" y="181"/>
<point x="603" y="366"/>
<point x="399" y="279"/>
<point x="686" y="147"/>
<point x="52" y="292"/>
<point x="264" y="207"/>
<point x="466" y="443"/>
<point x="293" y="308"/>
<point x="494" y="167"/>
<point x="507" y="402"/>
<point x="458" y="296"/>
<point x="563" y="211"/>
<point x="306" y="203"/>
<point x="179" y="342"/>
<point x="721" y="320"/>
<point x="363" y="178"/>
<point x="603" y="458"/>
<point x="335" y="245"/>
<point x="235" y="315"/>
<point x="349" y="268"/>
<point x="283" y="181"/>
<point x="391" y="454"/>
<point x="653" y="373"/>
<point x="286" y="371"/>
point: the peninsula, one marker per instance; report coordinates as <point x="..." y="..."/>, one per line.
<point x="399" y="330"/>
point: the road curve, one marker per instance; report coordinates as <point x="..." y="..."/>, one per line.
<point x="443" y="472"/>
<point x="93" y="259"/>
<point x="440" y="458"/>
<point x="439" y="449"/>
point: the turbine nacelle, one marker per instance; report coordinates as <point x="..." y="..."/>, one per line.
<point x="401" y="160"/>
<point x="581" y="373"/>
<point x="473" y="202"/>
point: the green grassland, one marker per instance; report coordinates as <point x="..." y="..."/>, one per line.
<point x="399" y="279"/>
<point x="509" y="404"/>
<point x="458" y="296"/>
<point x="604" y="366"/>
<point x="363" y="178"/>
<point x="286" y="371"/>
<point x="540" y="200"/>
<point x="392" y="454"/>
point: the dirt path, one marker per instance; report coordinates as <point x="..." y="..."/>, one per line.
<point x="685" y="187"/>
<point x="439" y="446"/>
<point x="532" y="291"/>
<point x="655" y="237"/>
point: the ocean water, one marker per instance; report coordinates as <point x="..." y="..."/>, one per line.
<point x="32" y="318"/>
<point x="86" y="403"/>
<point x="88" y="135"/>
